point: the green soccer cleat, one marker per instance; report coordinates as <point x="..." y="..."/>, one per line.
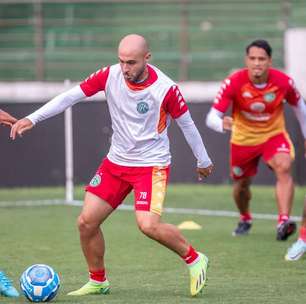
<point x="198" y="274"/>
<point x="92" y="288"/>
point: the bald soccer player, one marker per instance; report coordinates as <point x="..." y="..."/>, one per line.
<point x="141" y="100"/>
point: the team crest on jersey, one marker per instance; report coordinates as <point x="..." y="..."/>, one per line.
<point x="95" y="181"/>
<point x="142" y="107"/>
<point x="269" y="97"/>
<point x="237" y="171"/>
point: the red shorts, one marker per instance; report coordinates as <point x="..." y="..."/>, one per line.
<point x="113" y="183"/>
<point x="244" y="159"/>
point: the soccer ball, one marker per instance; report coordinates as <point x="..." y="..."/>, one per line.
<point x="39" y="283"/>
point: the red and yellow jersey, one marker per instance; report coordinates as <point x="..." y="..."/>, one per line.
<point x="257" y="110"/>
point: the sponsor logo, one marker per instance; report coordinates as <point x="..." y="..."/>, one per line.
<point x="142" y="203"/>
<point x="247" y="94"/>
<point x="142" y="107"/>
<point x="258" y="107"/>
<point x="269" y="97"/>
<point x="282" y="148"/>
<point x="95" y="181"/>
<point x="237" y="171"/>
<point x="256" y="116"/>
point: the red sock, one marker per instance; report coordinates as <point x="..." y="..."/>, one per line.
<point x="302" y="233"/>
<point x="283" y="218"/>
<point x="191" y="256"/>
<point x="97" y="275"/>
<point x="246" y="217"/>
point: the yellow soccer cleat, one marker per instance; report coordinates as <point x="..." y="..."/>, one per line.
<point x="92" y="288"/>
<point x="198" y="274"/>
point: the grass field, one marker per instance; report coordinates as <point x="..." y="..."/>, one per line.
<point x="242" y="270"/>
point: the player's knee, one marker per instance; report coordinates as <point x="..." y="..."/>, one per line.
<point x="85" y="227"/>
<point x="243" y="185"/>
<point x="148" y="228"/>
<point x="283" y="167"/>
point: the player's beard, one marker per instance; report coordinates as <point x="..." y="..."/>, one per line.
<point x="257" y="72"/>
<point x="259" y="76"/>
<point x="139" y="76"/>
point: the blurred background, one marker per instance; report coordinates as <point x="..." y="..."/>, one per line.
<point x="190" y="39"/>
<point x="197" y="43"/>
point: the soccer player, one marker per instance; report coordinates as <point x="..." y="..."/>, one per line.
<point x="141" y="101"/>
<point x="6" y="118"/>
<point x="298" y="248"/>
<point x="257" y="94"/>
<point x="6" y="287"/>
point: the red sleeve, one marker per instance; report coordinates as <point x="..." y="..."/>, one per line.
<point x="225" y="96"/>
<point x="293" y="95"/>
<point x="174" y="103"/>
<point x="95" y="82"/>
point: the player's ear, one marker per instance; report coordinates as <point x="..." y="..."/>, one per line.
<point x="246" y="59"/>
<point x="148" y="56"/>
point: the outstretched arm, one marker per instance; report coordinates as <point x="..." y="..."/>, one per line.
<point x="216" y="121"/>
<point x="6" y="118"/>
<point x="193" y="137"/>
<point x="300" y="112"/>
<point x="55" y="106"/>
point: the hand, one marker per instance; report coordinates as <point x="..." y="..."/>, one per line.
<point x="204" y="172"/>
<point x="6" y="118"/>
<point x="227" y="123"/>
<point x="20" y="127"/>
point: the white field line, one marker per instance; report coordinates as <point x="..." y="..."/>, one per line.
<point x="186" y="211"/>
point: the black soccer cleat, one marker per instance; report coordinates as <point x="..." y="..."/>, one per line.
<point x="242" y="228"/>
<point x="285" y="229"/>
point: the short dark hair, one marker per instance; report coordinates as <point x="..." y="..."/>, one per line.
<point x="260" y="43"/>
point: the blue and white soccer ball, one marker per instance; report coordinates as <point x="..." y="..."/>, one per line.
<point x="39" y="283"/>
